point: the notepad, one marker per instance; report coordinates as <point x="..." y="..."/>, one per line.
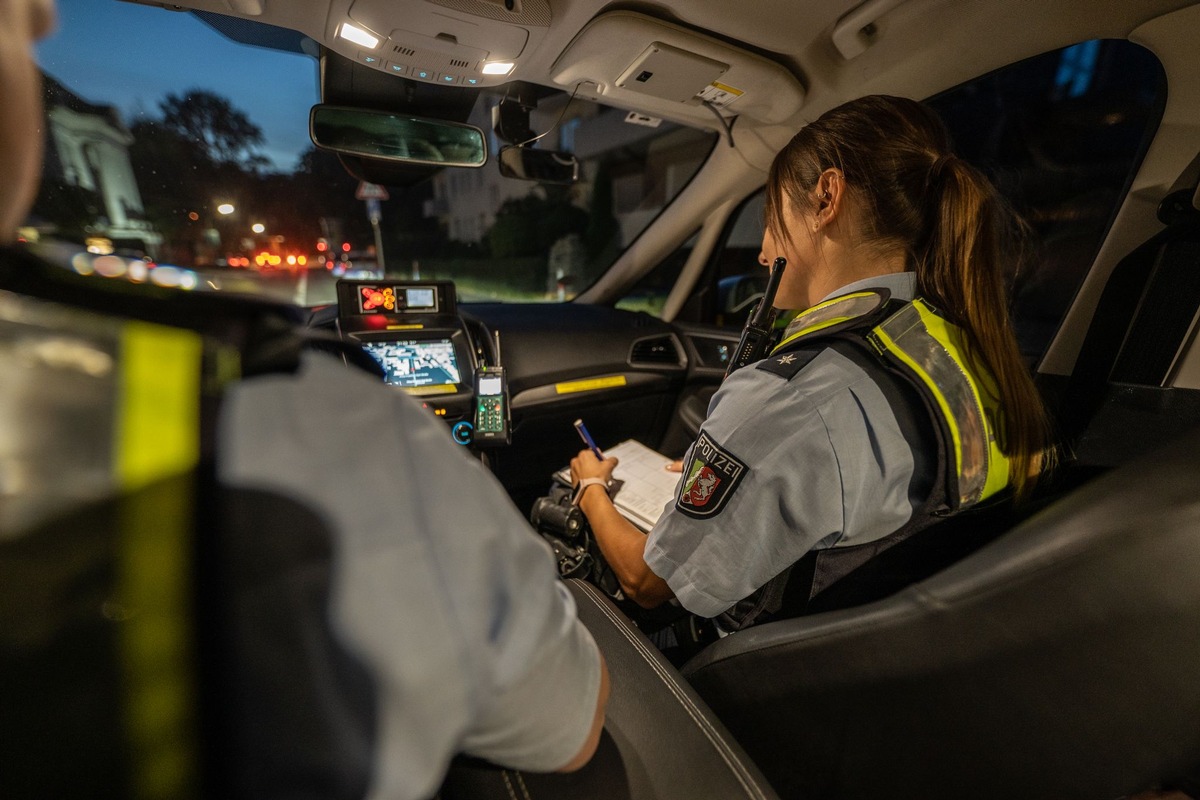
<point x="646" y="487"/>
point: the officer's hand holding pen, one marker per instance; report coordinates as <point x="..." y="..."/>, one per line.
<point x="586" y="465"/>
<point x="591" y="468"/>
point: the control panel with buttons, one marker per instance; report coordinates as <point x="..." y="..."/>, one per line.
<point x="459" y="73"/>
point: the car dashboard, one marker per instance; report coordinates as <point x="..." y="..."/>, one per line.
<point x="628" y="374"/>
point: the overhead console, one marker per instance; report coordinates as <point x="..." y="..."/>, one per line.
<point x="471" y="43"/>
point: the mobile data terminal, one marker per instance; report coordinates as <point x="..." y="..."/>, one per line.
<point x="412" y="329"/>
<point x="426" y="349"/>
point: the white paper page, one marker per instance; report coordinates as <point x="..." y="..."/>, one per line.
<point x="648" y="487"/>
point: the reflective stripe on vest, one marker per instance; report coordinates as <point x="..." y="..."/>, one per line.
<point x="158" y="435"/>
<point x="831" y="313"/>
<point x="933" y="351"/>
<point x="158" y="416"/>
<point x="101" y="412"/>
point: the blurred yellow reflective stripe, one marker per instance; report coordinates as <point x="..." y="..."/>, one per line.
<point x="158" y="651"/>
<point x="158" y="416"/>
<point x="157" y="445"/>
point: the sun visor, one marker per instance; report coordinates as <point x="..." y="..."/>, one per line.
<point x="663" y="69"/>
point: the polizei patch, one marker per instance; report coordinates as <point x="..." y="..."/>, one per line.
<point x="712" y="475"/>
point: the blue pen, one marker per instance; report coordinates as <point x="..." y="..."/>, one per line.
<point x="587" y="438"/>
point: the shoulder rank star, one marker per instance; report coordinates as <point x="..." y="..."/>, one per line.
<point x="787" y="359"/>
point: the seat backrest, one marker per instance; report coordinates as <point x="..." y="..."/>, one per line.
<point x="1116" y="403"/>
<point x="660" y="741"/>
<point x="1058" y="661"/>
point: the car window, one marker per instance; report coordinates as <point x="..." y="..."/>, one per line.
<point x="650" y="293"/>
<point x="1060" y="134"/>
<point x="740" y="282"/>
<point x="189" y="164"/>
<point x="731" y="284"/>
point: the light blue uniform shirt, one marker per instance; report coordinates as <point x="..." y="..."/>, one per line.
<point x="823" y="464"/>
<point x="440" y="587"/>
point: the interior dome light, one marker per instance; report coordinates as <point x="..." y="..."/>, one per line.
<point x="357" y="35"/>
<point x="498" y="67"/>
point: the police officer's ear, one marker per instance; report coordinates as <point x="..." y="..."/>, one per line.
<point x="830" y="197"/>
<point x="22" y="22"/>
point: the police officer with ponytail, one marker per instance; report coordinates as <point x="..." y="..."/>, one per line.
<point x="895" y="398"/>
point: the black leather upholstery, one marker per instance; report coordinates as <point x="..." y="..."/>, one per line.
<point x="1060" y="661"/>
<point x="1115" y="404"/>
<point x="660" y="741"/>
<point x="672" y="744"/>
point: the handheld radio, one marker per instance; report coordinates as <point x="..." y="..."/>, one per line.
<point x="756" y="336"/>
<point x="493" y="419"/>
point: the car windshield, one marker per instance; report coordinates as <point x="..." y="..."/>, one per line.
<point x="178" y="156"/>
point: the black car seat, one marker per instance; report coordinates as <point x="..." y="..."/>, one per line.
<point x="660" y="742"/>
<point x="1057" y="662"/>
<point x="1117" y="402"/>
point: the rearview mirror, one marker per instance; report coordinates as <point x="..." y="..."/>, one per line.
<point x="544" y="166"/>
<point x="396" y="137"/>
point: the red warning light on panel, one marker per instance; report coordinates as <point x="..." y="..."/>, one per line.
<point x="376" y="299"/>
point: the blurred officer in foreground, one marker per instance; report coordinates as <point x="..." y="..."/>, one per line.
<point x="398" y="633"/>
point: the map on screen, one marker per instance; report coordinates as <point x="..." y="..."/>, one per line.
<point x="412" y="363"/>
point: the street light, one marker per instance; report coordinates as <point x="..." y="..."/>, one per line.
<point x="225" y="208"/>
<point x="258" y="227"/>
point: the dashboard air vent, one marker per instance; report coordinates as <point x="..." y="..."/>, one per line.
<point x="655" y="351"/>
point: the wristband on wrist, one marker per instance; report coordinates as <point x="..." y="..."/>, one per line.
<point x="583" y="484"/>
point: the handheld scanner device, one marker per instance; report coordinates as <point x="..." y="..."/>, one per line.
<point x="756" y="336"/>
<point x="493" y="419"/>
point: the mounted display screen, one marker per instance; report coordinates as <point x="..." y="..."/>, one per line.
<point x="395" y="299"/>
<point x="372" y="305"/>
<point x="413" y="364"/>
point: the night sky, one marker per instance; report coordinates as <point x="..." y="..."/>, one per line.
<point x="130" y="56"/>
